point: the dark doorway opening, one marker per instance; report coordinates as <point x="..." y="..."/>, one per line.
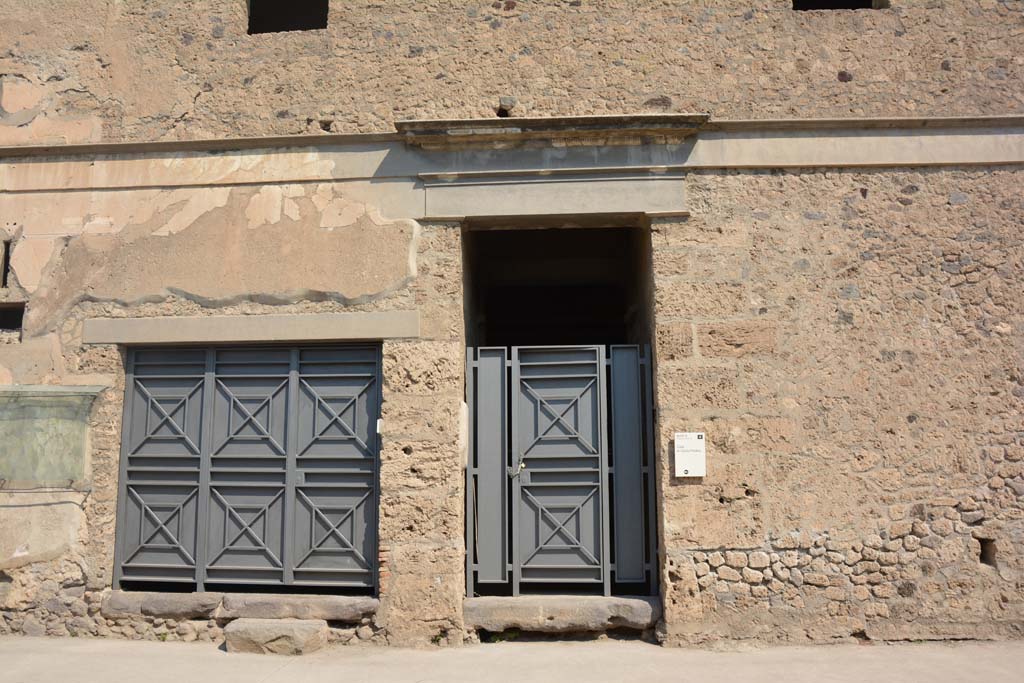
<point x="557" y="286"/>
<point x="558" y="327"/>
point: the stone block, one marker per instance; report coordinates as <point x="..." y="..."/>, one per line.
<point x="752" y="575"/>
<point x="735" y="339"/>
<point x="119" y="604"/>
<point x="180" y="605"/>
<point x="700" y="299"/>
<point x="758" y="560"/>
<point x="327" y="607"/>
<point x="815" y="579"/>
<point x="560" y="613"/>
<point x="675" y="341"/>
<point x="736" y="559"/>
<point x="687" y="388"/>
<point x="275" y="636"/>
<point x="729" y="574"/>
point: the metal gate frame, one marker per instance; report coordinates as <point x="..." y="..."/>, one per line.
<point x="296" y="477"/>
<point x="626" y="466"/>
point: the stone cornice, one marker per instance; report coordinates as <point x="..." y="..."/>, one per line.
<point x="557" y="131"/>
<point x="596" y="129"/>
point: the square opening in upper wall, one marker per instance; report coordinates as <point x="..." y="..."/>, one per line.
<point x="11" y="317"/>
<point x="839" y="4"/>
<point x="274" y="16"/>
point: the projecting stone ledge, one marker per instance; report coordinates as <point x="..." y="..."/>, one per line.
<point x="348" y="609"/>
<point x="165" y="605"/>
<point x="275" y="636"/>
<point x="560" y="613"/>
<point x="328" y="607"/>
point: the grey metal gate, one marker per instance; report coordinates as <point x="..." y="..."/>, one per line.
<point x="559" y="474"/>
<point x="250" y="466"/>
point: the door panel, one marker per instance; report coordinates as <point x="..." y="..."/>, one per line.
<point x="250" y="466"/>
<point x="540" y="477"/>
<point x="558" y="446"/>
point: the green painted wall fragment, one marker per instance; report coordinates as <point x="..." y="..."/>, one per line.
<point x="43" y="435"/>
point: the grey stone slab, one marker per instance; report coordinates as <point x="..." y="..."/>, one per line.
<point x="116" y="604"/>
<point x="181" y="605"/>
<point x="263" y="328"/>
<point x="565" y="613"/>
<point x="275" y="636"/>
<point x="655" y="194"/>
<point x="167" y="605"/>
<point x="328" y="607"/>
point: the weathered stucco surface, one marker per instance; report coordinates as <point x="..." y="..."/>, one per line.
<point x="239" y="246"/>
<point x="86" y="70"/>
<point x="850" y="340"/>
<point x="420" y="530"/>
<point x="851" y="343"/>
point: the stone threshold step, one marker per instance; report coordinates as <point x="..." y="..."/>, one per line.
<point x="275" y="636"/>
<point x="342" y="608"/>
<point x="560" y="613"/>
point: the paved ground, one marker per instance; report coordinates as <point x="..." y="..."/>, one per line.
<point x="45" y="660"/>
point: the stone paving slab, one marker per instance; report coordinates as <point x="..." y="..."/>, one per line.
<point x="53" y="660"/>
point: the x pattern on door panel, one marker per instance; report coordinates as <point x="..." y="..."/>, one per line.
<point x="559" y="441"/>
<point x="559" y="475"/>
<point x="250" y="466"/>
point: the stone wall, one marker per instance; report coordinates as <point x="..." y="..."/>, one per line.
<point x="89" y="70"/>
<point x="849" y="340"/>
<point x="851" y="343"/>
<point x="367" y="264"/>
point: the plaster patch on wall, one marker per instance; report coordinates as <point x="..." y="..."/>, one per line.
<point x="47" y="130"/>
<point x="195" y="205"/>
<point x="228" y="245"/>
<point x="273" y="201"/>
<point x="37" y="526"/>
<point x="17" y="94"/>
<point x="29" y="258"/>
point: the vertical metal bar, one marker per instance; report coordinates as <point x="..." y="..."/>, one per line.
<point x="606" y="571"/>
<point x="492" y="475"/>
<point x="291" y="474"/>
<point x="513" y="396"/>
<point x="205" y="457"/>
<point x="627" y="424"/>
<point x="375" y="498"/>
<point x="651" y="468"/>
<point x="122" y="484"/>
<point x="470" y="469"/>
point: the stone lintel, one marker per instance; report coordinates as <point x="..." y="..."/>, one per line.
<point x="560" y="613"/>
<point x="552" y="195"/>
<point x="253" y="328"/>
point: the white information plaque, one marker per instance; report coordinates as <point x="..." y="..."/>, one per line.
<point x="690" y="454"/>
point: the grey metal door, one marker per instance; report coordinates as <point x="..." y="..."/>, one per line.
<point x="250" y="466"/>
<point x="558" y="483"/>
